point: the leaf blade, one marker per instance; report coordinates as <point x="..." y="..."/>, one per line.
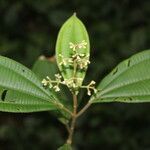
<point x="73" y="30"/>
<point x="128" y="82"/>
<point x="47" y="67"/>
<point x="22" y="85"/>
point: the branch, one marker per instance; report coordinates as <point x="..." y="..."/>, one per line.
<point x="72" y="127"/>
<point x="84" y="109"/>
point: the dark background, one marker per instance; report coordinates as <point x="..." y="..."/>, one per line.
<point x="117" y="29"/>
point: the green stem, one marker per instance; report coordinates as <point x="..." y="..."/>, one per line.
<point x="83" y="109"/>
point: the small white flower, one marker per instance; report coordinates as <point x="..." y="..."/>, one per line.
<point x="83" y="44"/>
<point x="80" y="46"/>
<point x="79" y="79"/>
<point x="78" y="58"/>
<point x="74" y="85"/>
<point x="74" y="56"/>
<point x="82" y="55"/>
<point x="89" y="92"/>
<point x="58" y="76"/>
<point x="72" y="46"/>
<point x="81" y="65"/>
<point x="48" y="77"/>
<point x="92" y="82"/>
<point x="64" y="82"/>
<point x="44" y="82"/>
<point x="56" y="88"/>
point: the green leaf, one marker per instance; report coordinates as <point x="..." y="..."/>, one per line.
<point x="128" y="82"/>
<point x="22" y="91"/>
<point x="75" y="32"/>
<point x="47" y="67"/>
<point x="65" y="147"/>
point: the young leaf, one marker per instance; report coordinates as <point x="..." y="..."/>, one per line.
<point x="22" y="91"/>
<point x="72" y="42"/>
<point x="65" y="147"/>
<point x="128" y="82"/>
<point x="47" y="67"/>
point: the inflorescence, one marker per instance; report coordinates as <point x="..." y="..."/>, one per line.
<point x="79" y="61"/>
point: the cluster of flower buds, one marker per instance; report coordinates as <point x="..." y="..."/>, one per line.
<point x="71" y="84"/>
<point x="90" y="87"/>
<point x="65" y="61"/>
<point x="78" y="46"/>
<point x="53" y="83"/>
<point x="68" y="82"/>
<point x="82" y="60"/>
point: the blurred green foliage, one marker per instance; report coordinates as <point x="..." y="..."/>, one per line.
<point x="117" y="30"/>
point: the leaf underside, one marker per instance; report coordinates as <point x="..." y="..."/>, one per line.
<point x="128" y="82"/>
<point x="21" y="90"/>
